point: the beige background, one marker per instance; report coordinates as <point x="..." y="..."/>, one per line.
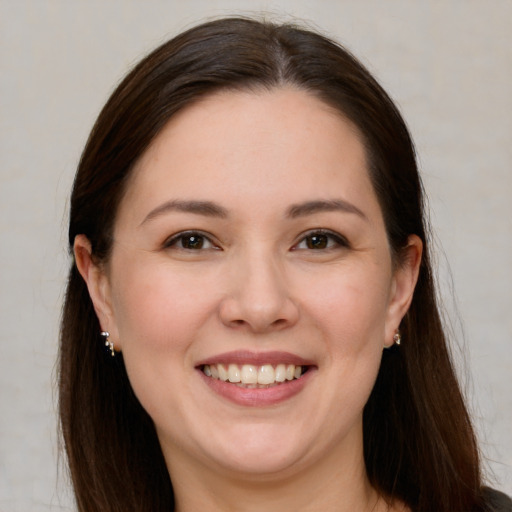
<point x="447" y="63"/>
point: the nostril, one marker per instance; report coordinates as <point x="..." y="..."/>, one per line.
<point x="258" y="314"/>
<point x="276" y="324"/>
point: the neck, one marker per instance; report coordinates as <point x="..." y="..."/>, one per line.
<point x="333" y="484"/>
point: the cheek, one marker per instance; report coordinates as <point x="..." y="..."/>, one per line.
<point x="351" y="304"/>
<point x="157" y="309"/>
<point x="159" y="315"/>
<point x="351" y="313"/>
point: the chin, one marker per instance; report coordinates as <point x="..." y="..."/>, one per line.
<point x="260" y="450"/>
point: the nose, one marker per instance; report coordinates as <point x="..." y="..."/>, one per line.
<point x="259" y="297"/>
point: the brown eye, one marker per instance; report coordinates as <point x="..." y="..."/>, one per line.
<point x="317" y="241"/>
<point x="321" y="240"/>
<point x="190" y="241"/>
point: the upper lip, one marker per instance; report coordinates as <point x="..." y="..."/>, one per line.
<point x="242" y="357"/>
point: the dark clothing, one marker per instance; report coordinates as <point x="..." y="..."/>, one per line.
<point x="497" y="501"/>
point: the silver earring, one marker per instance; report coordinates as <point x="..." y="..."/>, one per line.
<point x="108" y="343"/>
<point x="397" y="338"/>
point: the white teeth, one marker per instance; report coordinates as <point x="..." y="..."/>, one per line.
<point x="280" y="373"/>
<point x="249" y="374"/>
<point x="233" y="373"/>
<point x="253" y="376"/>
<point x="223" y="373"/>
<point x="266" y="374"/>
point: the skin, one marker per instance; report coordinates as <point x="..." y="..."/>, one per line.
<point x="258" y="284"/>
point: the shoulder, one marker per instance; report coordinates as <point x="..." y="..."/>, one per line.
<point x="497" y="501"/>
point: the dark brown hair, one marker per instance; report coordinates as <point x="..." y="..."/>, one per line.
<point x="419" y="445"/>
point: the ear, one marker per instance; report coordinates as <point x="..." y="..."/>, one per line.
<point x="97" y="283"/>
<point x="404" y="281"/>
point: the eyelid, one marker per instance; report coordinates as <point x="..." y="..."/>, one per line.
<point x="174" y="239"/>
<point x="339" y="239"/>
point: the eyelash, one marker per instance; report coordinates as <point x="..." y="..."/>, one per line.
<point x="174" y="240"/>
<point x="333" y="240"/>
<point x="329" y="238"/>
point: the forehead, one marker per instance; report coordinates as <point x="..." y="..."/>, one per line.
<point x="253" y="144"/>
<point x="284" y="117"/>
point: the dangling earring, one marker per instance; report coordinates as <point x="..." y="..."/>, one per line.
<point x="397" y="338"/>
<point x="108" y="343"/>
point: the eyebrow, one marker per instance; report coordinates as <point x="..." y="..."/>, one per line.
<point x="211" y="209"/>
<point x="206" y="208"/>
<point x="318" y="206"/>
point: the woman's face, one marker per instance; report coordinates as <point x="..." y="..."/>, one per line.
<point x="250" y="246"/>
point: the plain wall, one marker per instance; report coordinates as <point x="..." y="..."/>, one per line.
<point x="448" y="65"/>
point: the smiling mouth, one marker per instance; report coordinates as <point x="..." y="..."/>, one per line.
<point x="254" y="377"/>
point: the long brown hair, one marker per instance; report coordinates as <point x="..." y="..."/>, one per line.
<point x="419" y="444"/>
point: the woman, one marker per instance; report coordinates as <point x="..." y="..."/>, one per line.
<point x="249" y="241"/>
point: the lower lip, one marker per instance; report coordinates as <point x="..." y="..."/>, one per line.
<point x="258" y="397"/>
